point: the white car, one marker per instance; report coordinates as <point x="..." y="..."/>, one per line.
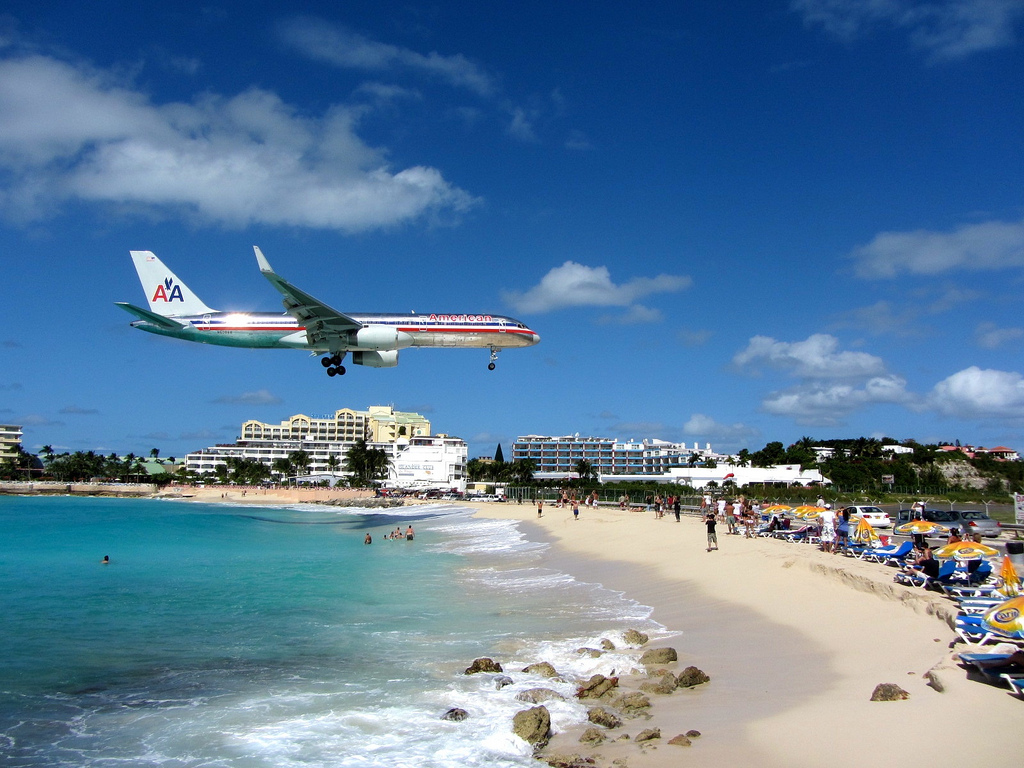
<point x="876" y="517"/>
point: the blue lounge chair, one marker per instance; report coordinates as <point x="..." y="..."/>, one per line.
<point x="894" y="554"/>
<point x="971" y="630"/>
<point x="1016" y="682"/>
<point x="924" y="581"/>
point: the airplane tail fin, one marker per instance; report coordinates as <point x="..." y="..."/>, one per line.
<point x="167" y="295"/>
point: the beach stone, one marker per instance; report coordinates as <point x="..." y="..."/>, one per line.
<point x="569" y="761"/>
<point x="634" y="637"/>
<point x="659" y="656"/>
<point x="596" y="687"/>
<point x="501" y="681"/>
<point x="483" y="665"/>
<point x="604" y="718"/>
<point x="607" y="645"/>
<point x="693" y="734"/>
<point x="888" y="692"/>
<point x="632" y="704"/>
<point x="533" y="726"/>
<point x="542" y="668"/>
<point x="690" y="677"/>
<point x="591" y="652"/>
<point x="592" y="736"/>
<point x="663" y="686"/>
<point x="680" y="741"/>
<point x="648" y="735"/>
<point x="455" y="714"/>
<point x="539" y="695"/>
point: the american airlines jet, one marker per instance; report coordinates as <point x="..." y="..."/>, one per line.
<point x="374" y="339"/>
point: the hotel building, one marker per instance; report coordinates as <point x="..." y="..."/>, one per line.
<point x="418" y="459"/>
<point x="559" y="455"/>
<point x="10" y="440"/>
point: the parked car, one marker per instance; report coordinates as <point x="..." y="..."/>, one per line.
<point x="877" y="517"/>
<point x="968" y="521"/>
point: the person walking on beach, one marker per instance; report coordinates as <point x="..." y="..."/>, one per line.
<point x="575" y="509"/>
<point x="540" y="507"/>
<point x="676" y="507"/>
<point x="709" y="521"/>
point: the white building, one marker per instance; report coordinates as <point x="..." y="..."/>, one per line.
<point x="557" y="456"/>
<point x="10" y="440"/>
<point x="416" y="457"/>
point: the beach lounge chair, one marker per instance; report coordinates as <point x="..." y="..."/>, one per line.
<point x="922" y="580"/>
<point x="894" y="554"/>
<point x="990" y="667"/>
<point x="971" y="630"/>
<point x="971" y="605"/>
<point x="1015" y="681"/>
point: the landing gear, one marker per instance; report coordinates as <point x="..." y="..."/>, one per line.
<point x="494" y="356"/>
<point x="333" y="364"/>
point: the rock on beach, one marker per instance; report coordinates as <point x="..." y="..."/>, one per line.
<point x="533" y="726"/>
<point x="483" y="665"/>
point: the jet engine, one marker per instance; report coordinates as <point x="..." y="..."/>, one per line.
<point x="385" y="359"/>
<point x="380" y="337"/>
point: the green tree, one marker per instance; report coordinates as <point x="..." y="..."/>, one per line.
<point x="300" y="461"/>
<point x="499" y="457"/>
<point x="585" y="470"/>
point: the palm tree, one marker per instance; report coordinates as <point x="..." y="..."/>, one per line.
<point x="283" y="467"/>
<point x="299" y="460"/>
<point x="585" y="470"/>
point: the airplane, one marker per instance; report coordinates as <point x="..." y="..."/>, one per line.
<point x="374" y="339"/>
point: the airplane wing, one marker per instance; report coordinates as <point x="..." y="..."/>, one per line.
<point x="151" y="317"/>
<point x="320" y="320"/>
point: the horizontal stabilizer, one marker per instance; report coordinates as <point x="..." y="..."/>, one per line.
<point x="151" y="317"/>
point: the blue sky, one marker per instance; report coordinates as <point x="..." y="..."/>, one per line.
<point x="728" y="224"/>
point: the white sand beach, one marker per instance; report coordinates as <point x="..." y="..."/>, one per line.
<point x="795" y="641"/>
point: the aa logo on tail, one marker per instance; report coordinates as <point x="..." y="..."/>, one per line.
<point x="168" y="291"/>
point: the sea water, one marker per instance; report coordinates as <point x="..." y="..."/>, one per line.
<point x="253" y="636"/>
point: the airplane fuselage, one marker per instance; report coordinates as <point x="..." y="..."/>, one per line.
<point x="272" y="330"/>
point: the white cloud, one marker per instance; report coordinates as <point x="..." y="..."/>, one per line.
<point x="71" y="133"/>
<point x="816" y="357"/>
<point x="946" y="29"/>
<point x="705" y="427"/>
<point x="977" y="393"/>
<point x="259" y="397"/>
<point x="521" y="126"/>
<point x="828" y="404"/>
<point x="991" y="336"/>
<point x="336" y="44"/>
<point x="987" y="246"/>
<point x="577" y="285"/>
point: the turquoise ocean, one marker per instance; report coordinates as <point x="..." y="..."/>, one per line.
<point x="254" y="636"/>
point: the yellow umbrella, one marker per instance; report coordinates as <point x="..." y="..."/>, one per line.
<point x="775" y="509"/>
<point x="1006" y="618"/>
<point x="807" y="512"/>
<point x="864" y="533"/>
<point x="922" y="527"/>
<point x="1011" y="581"/>
<point x="966" y="550"/>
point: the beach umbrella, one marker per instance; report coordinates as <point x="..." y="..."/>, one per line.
<point x="776" y="509"/>
<point x="1011" y="581"/>
<point x="864" y="533"/>
<point x="920" y="528"/>
<point x="966" y="550"/>
<point x="808" y="512"/>
<point x="1006" y="618"/>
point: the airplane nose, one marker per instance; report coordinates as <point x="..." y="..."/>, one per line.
<point x="535" y="337"/>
